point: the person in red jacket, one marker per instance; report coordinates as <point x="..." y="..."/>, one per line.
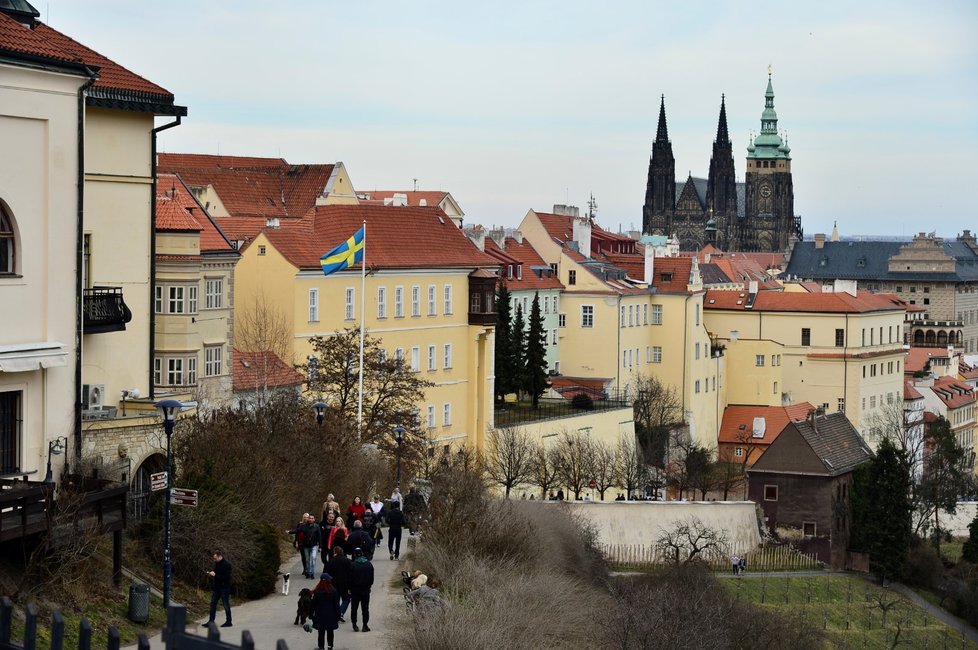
<point x="355" y="511"/>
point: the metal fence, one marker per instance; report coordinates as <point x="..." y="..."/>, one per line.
<point x="175" y="635"/>
<point x="768" y="558"/>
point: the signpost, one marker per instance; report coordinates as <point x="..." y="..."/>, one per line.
<point x="183" y="497"/>
<point x="158" y="481"/>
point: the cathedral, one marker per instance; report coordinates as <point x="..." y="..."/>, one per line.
<point x="756" y="215"/>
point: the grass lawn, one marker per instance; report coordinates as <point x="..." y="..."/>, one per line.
<point x="848" y="609"/>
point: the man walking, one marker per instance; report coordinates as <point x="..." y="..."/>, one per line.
<point x="395" y="522"/>
<point x="361" y="539"/>
<point x="222" y="587"/>
<point x="341" y="568"/>
<point x="362" y="579"/>
<point x="313" y="539"/>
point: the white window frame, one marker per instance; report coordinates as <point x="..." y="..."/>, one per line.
<point x="446" y="415"/>
<point x="192" y="299"/>
<point x="657" y="314"/>
<point x="213" y="360"/>
<point x="645" y="314"/>
<point x="398" y="301"/>
<point x="314" y="305"/>
<point x="587" y="316"/>
<point x="381" y="302"/>
<point x="399" y="354"/>
<point x="158" y="299"/>
<point x="432" y="300"/>
<point x="192" y="370"/>
<point x="656" y="354"/>
<point x="561" y="320"/>
<point x="175" y="299"/>
<point x="415" y="300"/>
<point x="631" y="322"/>
<point x="213" y="293"/>
<point x="157" y="371"/>
<point x="431" y="416"/>
<point x="447" y="357"/>
<point x="432" y="361"/>
<point x="416" y="358"/>
<point x="350" y="297"/>
<point x="622" y="323"/>
<point x="174" y="371"/>
<point x="448" y="299"/>
<point x="553" y="337"/>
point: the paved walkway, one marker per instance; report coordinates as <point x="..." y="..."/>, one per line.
<point x="270" y="618"/>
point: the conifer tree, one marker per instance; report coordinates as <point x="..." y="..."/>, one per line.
<point x="504" y="370"/>
<point x="535" y="371"/>
<point x="517" y="347"/>
<point x="881" y="511"/>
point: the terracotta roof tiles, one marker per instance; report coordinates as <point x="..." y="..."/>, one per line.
<point x="738" y="421"/>
<point x="527" y="256"/>
<point x="257" y="370"/>
<point x="953" y="392"/>
<point x="178" y="210"/>
<point x="836" y="302"/>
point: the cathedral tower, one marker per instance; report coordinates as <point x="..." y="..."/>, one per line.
<point x="660" y="191"/>
<point x="721" y="189"/>
<point x="769" y="214"/>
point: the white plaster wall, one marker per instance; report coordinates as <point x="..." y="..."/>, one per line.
<point x="958" y="522"/>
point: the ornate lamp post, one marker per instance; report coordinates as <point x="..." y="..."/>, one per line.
<point x="399" y="437"/>
<point x="55" y="447"/>
<point x="320" y="408"/>
<point x="169" y="408"/>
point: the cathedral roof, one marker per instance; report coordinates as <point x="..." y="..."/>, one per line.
<point x="700" y="185"/>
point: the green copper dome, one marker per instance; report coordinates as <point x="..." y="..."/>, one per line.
<point x="768" y="144"/>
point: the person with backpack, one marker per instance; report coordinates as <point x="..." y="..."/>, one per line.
<point x="299" y="541"/>
<point x="395" y="522"/>
<point x="341" y="568"/>
<point x="361" y="581"/>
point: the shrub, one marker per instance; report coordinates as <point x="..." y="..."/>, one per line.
<point x="259" y="574"/>
<point x="583" y="402"/>
<point x="924" y="567"/>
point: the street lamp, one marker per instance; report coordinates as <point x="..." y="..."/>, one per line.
<point x="320" y="412"/>
<point x="169" y="408"/>
<point x="55" y="447"/>
<point x="399" y="437"/>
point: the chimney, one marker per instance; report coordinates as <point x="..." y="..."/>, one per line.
<point x="649" y="264"/>
<point x="752" y="287"/>
<point x="813" y="419"/>
<point x="819" y="241"/>
<point x="845" y="286"/>
<point x="518" y="236"/>
<point x="567" y="210"/>
<point x="582" y="235"/>
<point x="478" y="237"/>
<point x="498" y="235"/>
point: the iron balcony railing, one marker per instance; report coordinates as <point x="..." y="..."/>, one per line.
<point x="105" y="310"/>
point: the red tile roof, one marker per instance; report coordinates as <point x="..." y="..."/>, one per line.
<point x="569" y="387"/>
<point x="397" y="237"/>
<point x="253" y="187"/>
<point x="953" y="392"/>
<point x="178" y="210"/>
<point x="837" y="302"/>
<point x="671" y="274"/>
<point x="967" y="371"/>
<point x="522" y="254"/>
<point x="257" y="370"/>
<point x="909" y="392"/>
<point x="45" y="42"/>
<point x="413" y="197"/>
<point x="917" y="358"/>
<point x="738" y="421"/>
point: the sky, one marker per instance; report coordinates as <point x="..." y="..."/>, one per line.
<point x="519" y="105"/>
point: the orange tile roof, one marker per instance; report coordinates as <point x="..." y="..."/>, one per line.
<point x="837" y="302"/>
<point x="397" y="237"/>
<point x="909" y="392"/>
<point x="45" y="42"/>
<point x="917" y="358"/>
<point x="527" y="256"/>
<point x="953" y="392"/>
<point x="967" y="371"/>
<point x="738" y="421"/>
<point x="671" y="274"/>
<point x="257" y="370"/>
<point x="253" y="187"/>
<point x="413" y="197"/>
<point x="178" y="210"/>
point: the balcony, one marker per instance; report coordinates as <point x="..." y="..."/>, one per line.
<point x="482" y="298"/>
<point x="105" y="310"/>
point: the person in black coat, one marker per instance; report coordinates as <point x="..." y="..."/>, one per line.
<point x="362" y="579"/>
<point x="361" y="539"/>
<point x="222" y="587"/>
<point x="341" y="568"/>
<point x="325" y="610"/>
<point x="395" y="522"/>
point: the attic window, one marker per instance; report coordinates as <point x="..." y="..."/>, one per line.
<point x="261" y="250"/>
<point x="861" y="262"/>
<point x="270" y="201"/>
<point x="666" y="277"/>
<point x="712" y="301"/>
<point x="742" y="427"/>
<point x="441" y="221"/>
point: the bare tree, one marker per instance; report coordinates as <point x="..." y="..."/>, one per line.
<point x="657" y="408"/>
<point x="628" y="465"/>
<point x="690" y="540"/>
<point x="545" y="474"/>
<point x="690" y="466"/>
<point x="265" y="331"/>
<point x="508" y="458"/>
<point x="603" y="461"/>
<point x="884" y="600"/>
<point x="575" y="461"/>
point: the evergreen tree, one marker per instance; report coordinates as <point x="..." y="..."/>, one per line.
<point x="517" y="347"/>
<point x="944" y="474"/>
<point x="881" y="512"/>
<point x="504" y="370"/>
<point x="969" y="552"/>
<point x="535" y="371"/>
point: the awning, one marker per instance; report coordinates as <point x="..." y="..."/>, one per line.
<point x="26" y="357"/>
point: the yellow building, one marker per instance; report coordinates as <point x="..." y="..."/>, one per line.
<point x="193" y="298"/>
<point x="625" y="313"/>
<point x="841" y="351"/>
<point x="429" y="298"/>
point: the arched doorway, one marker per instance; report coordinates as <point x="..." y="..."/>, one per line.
<point x="942" y="338"/>
<point x="930" y="339"/>
<point x="139" y="490"/>
<point x="918" y="338"/>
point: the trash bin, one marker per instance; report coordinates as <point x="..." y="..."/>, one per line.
<point x="138" y="603"/>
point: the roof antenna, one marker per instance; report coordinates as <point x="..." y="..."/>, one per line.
<point x="415" y="184"/>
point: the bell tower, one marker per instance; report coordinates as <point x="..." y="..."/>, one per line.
<point x="660" y="191"/>
<point x="721" y="189"/>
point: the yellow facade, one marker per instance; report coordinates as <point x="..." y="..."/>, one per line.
<point x="440" y="343"/>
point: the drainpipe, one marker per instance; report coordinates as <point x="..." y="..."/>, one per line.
<point x="620" y="359"/>
<point x="80" y="260"/>
<point x="152" y="256"/>
<point x="845" y="367"/>
<point x="685" y="359"/>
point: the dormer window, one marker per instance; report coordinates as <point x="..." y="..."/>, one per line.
<point x="509" y="273"/>
<point x="519" y="272"/>
<point x="666" y="277"/>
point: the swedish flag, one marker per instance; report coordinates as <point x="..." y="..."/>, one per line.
<point x="345" y="255"/>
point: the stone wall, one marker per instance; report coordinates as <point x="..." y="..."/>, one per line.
<point x="122" y="442"/>
<point x="642" y="522"/>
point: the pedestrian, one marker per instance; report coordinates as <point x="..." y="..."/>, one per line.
<point x="355" y="510"/>
<point x="222" y="587"/>
<point x="395" y="521"/>
<point x="327" y="525"/>
<point x="362" y="579"/>
<point x="341" y="567"/>
<point x="398" y="497"/>
<point x="735" y="562"/>
<point x="325" y="610"/>
<point x="299" y="541"/>
<point x="337" y="536"/>
<point x="560" y="495"/>
<point x="743" y="564"/>
<point x="378" y="507"/>
<point x="313" y="540"/>
<point x="414" y="507"/>
<point x="361" y="539"/>
<point x="331" y="506"/>
<point x="370" y="523"/>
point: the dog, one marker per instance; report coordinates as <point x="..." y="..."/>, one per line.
<point x="285" y="583"/>
<point x="303" y="609"/>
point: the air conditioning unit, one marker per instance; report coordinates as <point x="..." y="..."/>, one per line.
<point x="93" y="396"/>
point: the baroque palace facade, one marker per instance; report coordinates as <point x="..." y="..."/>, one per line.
<point x="756" y="215"/>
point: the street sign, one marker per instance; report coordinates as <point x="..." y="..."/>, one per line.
<point x="157" y="481"/>
<point x="592" y="484"/>
<point x="183" y="497"/>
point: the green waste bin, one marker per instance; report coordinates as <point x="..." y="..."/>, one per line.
<point x="138" y="603"/>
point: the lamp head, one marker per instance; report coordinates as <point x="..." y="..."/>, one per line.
<point x="399" y="434"/>
<point x="169" y="408"/>
<point x="320" y="408"/>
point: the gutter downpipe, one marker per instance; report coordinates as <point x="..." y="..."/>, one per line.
<point x="845" y="368"/>
<point x="80" y="260"/>
<point x="620" y="357"/>
<point x="152" y="255"/>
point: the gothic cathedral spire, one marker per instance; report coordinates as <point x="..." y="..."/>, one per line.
<point x="721" y="188"/>
<point x="660" y="191"/>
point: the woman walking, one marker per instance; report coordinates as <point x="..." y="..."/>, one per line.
<point x="325" y="610"/>
<point x="355" y="510"/>
<point x="337" y="535"/>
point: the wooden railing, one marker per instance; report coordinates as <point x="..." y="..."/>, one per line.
<point x="175" y="635"/>
<point x="23" y="508"/>
<point x="27" y="508"/>
<point x="769" y="558"/>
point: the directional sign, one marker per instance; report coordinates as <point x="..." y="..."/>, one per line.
<point x="183" y="497"/>
<point x="157" y="481"/>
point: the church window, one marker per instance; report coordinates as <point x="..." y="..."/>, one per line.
<point x="8" y="243"/>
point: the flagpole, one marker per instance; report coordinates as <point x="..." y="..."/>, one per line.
<point x="363" y="318"/>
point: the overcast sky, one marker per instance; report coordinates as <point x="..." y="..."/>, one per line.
<point x="519" y="105"/>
